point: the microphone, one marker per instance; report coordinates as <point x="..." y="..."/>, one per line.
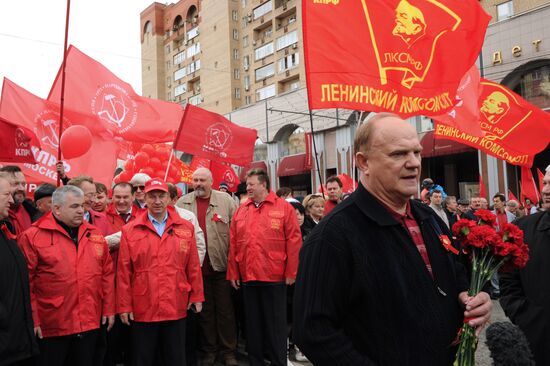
<point x="508" y="345"/>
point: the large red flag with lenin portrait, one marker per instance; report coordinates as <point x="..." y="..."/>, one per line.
<point x="514" y="130"/>
<point x="212" y="136"/>
<point x="401" y="56"/>
<point x="42" y="117"/>
<point x="16" y="143"/>
<point x="91" y="88"/>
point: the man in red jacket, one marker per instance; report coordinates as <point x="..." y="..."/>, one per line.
<point x="158" y="279"/>
<point x="265" y="239"/>
<point x="71" y="281"/>
<point x="98" y="219"/>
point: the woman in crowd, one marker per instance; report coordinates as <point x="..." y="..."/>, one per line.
<point x="314" y="205"/>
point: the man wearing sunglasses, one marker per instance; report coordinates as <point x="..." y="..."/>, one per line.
<point x="138" y="183"/>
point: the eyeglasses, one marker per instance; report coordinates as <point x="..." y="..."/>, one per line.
<point x="135" y="188"/>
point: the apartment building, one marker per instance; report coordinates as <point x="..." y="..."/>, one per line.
<point x="221" y="55"/>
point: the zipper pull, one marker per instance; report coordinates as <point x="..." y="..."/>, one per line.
<point x="441" y="291"/>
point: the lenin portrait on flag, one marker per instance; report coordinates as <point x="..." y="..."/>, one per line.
<point x="407" y="42"/>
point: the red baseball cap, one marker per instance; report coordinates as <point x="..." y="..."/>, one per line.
<point x="155" y="184"/>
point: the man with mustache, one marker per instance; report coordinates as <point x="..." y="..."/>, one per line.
<point x="22" y="210"/>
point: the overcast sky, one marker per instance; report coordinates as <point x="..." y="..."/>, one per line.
<point x="32" y="35"/>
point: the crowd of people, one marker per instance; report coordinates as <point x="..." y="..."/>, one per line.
<point x="141" y="274"/>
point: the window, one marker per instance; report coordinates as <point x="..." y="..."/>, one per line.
<point x="245" y="41"/>
<point x="291" y="19"/>
<point x="180" y="73"/>
<point x="263" y="51"/>
<point x="168" y="64"/>
<point x="266" y="92"/>
<point x="180" y="89"/>
<point x="505" y="10"/>
<point x="179" y="58"/>
<point x="237" y="93"/>
<point x="247" y="99"/>
<point x="246" y="61"/>
<point x="193" y="66"/>
<point x="167" y="49"/>
<point x="294" y="85"/>
<point x="195" y="100"/>
<point x="169" y="96"/>
<point x="244" y="3"/>
<point x="235" y="15"/>
<point x="265" y="72"/>
<point x="268" y="32"/>
<point x="168" y="80"/>
<point x="246" y="82"/>
<point x="263" y="9"/>
<point x="235" y="34"/>
<point x="287" y="40"/>
<point x="192" y="33"/>
<point x="236" y="74"/>
<point x="288" y="62"/>
<point x="193" y="50"/>
<point x="235" y="54"/>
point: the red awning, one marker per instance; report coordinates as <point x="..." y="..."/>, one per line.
<point x="432" y="147"/>
<point x="293" y="165"/>
<point x="255" y="164"/>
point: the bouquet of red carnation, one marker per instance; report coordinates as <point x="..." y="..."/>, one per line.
<point x="489" y="251"/>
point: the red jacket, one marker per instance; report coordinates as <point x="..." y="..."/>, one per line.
<point x="264" y="241"/>
<point x="71" y="287"/>
<point x="115" y="221"/>
<point x="99" y="220"/>
<point x="157" y="277"/>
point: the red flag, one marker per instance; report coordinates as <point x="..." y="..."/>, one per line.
<point x="91" y="88"/>
<point x="224" y="173"/>
<point x="465" y="114"/>
<point x="528" y="186"/>
<point x="482" y="191"/>
<point x="514" y="130"/>
<point x="511" y="196"/>
<point x="401" y="56"/>
<point x="541" y="178"/>
<point x="212" y="136"/>
<point x="42" y="116"/>
<point x="16" y="143"/>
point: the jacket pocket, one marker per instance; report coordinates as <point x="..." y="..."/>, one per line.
<point x="277" y="261"/>
<point x="51" y="302"/>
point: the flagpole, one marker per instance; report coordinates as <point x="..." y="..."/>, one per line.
<point x="315" y="153"/>
<point x="62" y="102"/>
<point x="168" y="166"/>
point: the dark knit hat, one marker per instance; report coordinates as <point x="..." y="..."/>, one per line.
<point x="44" y="190"/>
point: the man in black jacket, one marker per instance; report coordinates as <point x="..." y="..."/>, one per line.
<point x="17" y="341"/>
<point x="525" y="294"/>
<point x="376" y="285"/>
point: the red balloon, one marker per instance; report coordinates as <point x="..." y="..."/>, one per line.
<point x="163" y="153"/>
<point x="116" y="179"/>
<point x="129" y="166"/>
<point x="155" y="163"/>
<point x="149" y="171"/>
<point x="148" y="149"/>
<point x="141" y="160"/>
<point x="75" y="141"/>
<point x="159" y="174"/>
<point x="125" y="176"/>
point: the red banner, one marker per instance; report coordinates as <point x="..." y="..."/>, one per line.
<point x="220" y="173"/>
<point x="91" y="88"/>
<point x="212" y="136"/>
<point x="514" y="130"/>
<point x="42" y="116"/>
<point x="511" y="196"/>
<point x="528" y="186"/>
<point x="16" y="143"/>
<point x="540" y="178"/>
<point x="401" y="56"/>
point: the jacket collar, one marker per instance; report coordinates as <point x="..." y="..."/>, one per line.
<point x="173" y="219"/>
<point x="214" y="198"/>
<point x="270" y="198"/>
<point x="372" y="208"/>
<point x="47" y="222"/>
<point x="111" y="210"/>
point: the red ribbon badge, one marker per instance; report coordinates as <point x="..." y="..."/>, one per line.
<point x="447" y="244"/>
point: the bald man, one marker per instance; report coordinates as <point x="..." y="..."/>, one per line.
<point x="389" y="293"/>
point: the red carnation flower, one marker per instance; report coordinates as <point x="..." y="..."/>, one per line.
<point x="462" y="227"/>
<point x="511" y="233"/>
<point x="482" y="236"/>
<point x="487" y="217"/>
